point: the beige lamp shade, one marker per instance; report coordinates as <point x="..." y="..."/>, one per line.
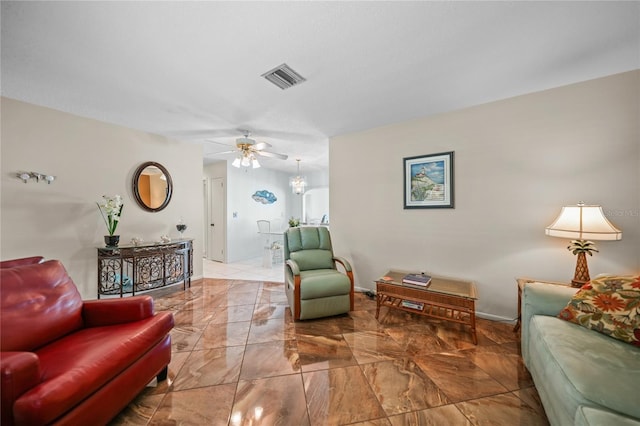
<point x="582" y="222"/>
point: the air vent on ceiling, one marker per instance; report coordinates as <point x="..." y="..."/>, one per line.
<point x="283" y="76"/>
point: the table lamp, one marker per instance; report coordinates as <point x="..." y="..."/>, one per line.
<point x="582" y="223"/>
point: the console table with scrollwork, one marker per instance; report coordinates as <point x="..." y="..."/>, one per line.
<point x="130" y="269"/>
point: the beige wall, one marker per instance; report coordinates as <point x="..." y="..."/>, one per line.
<point x="89" y="158"/>
<point x="517" y="162"/>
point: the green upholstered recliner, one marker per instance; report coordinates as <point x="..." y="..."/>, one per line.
<point x="314" y="286"/>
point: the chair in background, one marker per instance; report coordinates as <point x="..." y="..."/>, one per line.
<point x="314" y="286"/>
<point x="271" y="244"/>
<point x="276" y="240"/>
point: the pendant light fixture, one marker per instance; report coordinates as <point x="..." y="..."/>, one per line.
<point x="298" y="183"/>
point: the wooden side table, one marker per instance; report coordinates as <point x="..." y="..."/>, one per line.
<point x="521" y="284"/>
<point x="447" y="299"/>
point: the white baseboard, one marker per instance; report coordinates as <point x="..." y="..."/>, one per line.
<point x="492" y="317"/>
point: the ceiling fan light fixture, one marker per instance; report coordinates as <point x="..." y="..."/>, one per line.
<point x="236" y="162"/>
<point x="245" y="161"/>
<point x="254" y="162"/>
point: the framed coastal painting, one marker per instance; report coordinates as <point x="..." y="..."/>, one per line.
<point x="428" y="181"/>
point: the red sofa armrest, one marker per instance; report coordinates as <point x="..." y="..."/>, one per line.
<point x="98" y="313"/>
<point x="19" y="372"/>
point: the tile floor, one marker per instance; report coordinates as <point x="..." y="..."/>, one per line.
<point x="239" y="359"/>
<point x="251" y="269"/>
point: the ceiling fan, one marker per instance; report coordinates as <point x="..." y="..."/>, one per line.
<point x="248" y="148"/>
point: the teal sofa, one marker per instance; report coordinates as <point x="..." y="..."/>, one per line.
<point x="314" y="286"/>
<point x="583" y="377"/>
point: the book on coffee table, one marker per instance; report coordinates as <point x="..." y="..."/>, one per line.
<point x="413" y="305"/>
<point x="417" y="279"/>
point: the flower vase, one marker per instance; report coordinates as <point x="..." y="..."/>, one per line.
<point x="112" y="240"/>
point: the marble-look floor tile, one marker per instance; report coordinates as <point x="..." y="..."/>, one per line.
<point x="418" y="340"/>
<point x="225" y="334"/>
<point x="342" y="370"/>
<point x="210" y="367"/>
<point x="317" y="327"/>
<point x="340" y="396"/>
<point x="270" y="359"/>
<point x="263" y="312"/>
<point x="239" y="287"/>
<point x="270" y="330"/>
<point x="374" y="422"/>
<point x="190" y="317"/>
<point x="531" y="398"/>
<point x="357" y="321"/>
<point x="139" y="411"/>
<point x="184" y="338"/>
<point x="322" y="352"/>
<point x="272" y="295"/>
<point x="195" y="407"/>
<point x="401" y="386"/>
<point x="502" y="363"/>
<point x="177" y="361"/>
<point x="458" y="377"/>
<point x="391" y="317"/>
<point x="238" y="298"/>
<point x="235" y="313"/>
<point x="502" y="410"/>
<point x="270" y="401"/>
<point x="457" y="336"/>
<point x="447" y="415"/>
<point x="372" y="346"/>
<point x="499" y="332"/>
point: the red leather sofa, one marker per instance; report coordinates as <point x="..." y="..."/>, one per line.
<point x="68" y="361"/>
<point x="20" y="262"/>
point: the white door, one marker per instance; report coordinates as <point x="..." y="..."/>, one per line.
<point x="205" y="217"/>
<point x="216" y="220"/>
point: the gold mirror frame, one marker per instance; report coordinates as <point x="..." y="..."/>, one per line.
<point x="148" y="198"/>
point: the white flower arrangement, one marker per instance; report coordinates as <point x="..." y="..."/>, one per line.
<point x="111" y="209"/>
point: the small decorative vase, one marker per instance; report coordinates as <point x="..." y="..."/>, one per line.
<point x="112" y="240"/>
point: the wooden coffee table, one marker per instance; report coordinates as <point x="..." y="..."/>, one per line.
<point x="447" y="299"/>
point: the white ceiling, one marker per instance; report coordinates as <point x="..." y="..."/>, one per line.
<point x="192" y="70"/>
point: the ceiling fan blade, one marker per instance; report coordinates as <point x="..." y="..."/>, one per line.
<point x="201" y="133"/>
<point x="261" y="145"/>
<point x="223" y="152"/>
<point x="218" y="143"/>
<point x="272" y="155"/>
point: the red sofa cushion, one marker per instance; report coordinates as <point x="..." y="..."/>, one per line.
<point x="81" y="363"/>
<point x="41" y="299"/>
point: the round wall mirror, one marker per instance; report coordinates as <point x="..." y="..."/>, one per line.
<point x="152" y="186"/>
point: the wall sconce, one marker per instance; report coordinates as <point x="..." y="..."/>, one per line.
<point x="25" y="176"/>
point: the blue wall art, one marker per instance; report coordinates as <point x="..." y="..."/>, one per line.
<point x="265" y="197"/>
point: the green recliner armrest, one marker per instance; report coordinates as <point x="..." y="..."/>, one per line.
<point x="344" y="262"/>
<point x="293" y="265"/>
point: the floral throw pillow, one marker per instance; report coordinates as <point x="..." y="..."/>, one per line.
<point x="609" y="305"/>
